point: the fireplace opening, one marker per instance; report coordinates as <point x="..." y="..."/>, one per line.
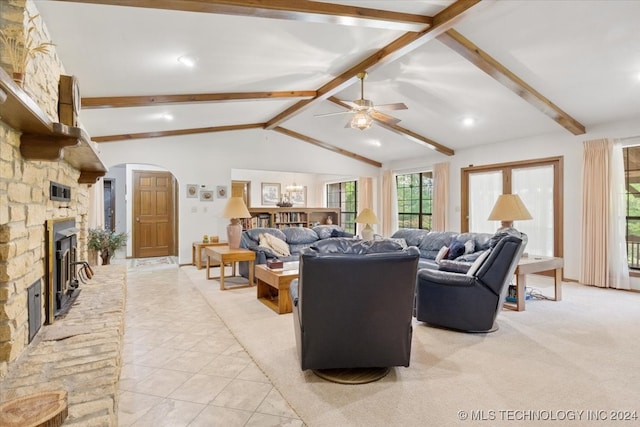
<point x="62" y="258"/>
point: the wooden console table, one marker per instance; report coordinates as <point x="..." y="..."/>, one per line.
<point x="536" y="264"/>
<point x="196" y="252"/>
<point x="224" y="255"/>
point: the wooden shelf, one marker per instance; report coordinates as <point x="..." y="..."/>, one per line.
<point x="45" y="140"/>
<point x="290" y="217"/>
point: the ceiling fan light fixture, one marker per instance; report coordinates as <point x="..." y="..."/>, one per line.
<point x="361" y="120"/>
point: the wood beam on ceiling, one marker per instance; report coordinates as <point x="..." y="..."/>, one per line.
<point x="149" y="100"/>
<point x="468" y="50"/>
<point x="422" y="140"/>
<point x="176" y="132"/>
<point x="326" y="146"/>
<point x="295" y="10"/>
<point x="406" y="43"/>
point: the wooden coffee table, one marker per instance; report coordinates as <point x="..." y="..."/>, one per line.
<point x="224" y="255"/>
<point x="536" y="264"/>
<point x="273" y="286"/>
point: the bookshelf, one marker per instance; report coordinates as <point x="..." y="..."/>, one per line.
<point x="290" y="217"/>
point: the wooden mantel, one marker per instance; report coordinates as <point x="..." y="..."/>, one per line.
<point x="43" y="139"/>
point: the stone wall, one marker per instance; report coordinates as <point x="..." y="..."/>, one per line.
<point x="24" y="197"/>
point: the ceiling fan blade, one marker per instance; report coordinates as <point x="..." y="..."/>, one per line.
<point x="396" y="106"/>
<point x="385" y="118"/>
<point x="332" y="114"/>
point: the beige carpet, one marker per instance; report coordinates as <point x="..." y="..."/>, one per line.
<point x="549" y="365"/>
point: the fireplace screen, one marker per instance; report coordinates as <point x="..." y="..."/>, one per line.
<point x="62" y="247"/>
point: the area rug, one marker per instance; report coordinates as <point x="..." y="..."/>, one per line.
<point x="155" y="262"/>
<point x="550" y="363"/>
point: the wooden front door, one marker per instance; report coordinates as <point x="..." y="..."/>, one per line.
<point x="152" y="214"/>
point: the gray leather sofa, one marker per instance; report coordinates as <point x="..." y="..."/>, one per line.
<point x="297" y="238"/>
<point x="430" y="242"/>
<point x="353" y="304"/>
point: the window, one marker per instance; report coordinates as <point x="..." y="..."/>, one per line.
<point x="415" y="200"/>
<point x="343" y="195"/>
<point x="631" y="157"/>
<point x="538" y="182"/>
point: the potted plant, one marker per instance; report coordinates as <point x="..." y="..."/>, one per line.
<point x="106" y="242"/>
<point x="21" y="47"/>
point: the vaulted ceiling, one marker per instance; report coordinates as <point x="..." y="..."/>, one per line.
<point x="515" y="68"/>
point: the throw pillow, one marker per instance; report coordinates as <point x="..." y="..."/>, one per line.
<point x="469" y="247"/>
<point x="478" y="263"/>
<point x="456" y="249"/>
<point x="442" y="254"/>
<point x="279" y="246"/>
<point x="400" y="241"/>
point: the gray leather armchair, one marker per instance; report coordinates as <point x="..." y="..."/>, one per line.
<point x="353" y="308"/>
<point x="466" y="302"/>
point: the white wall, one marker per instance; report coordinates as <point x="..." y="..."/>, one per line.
<point x="209" y="159"/>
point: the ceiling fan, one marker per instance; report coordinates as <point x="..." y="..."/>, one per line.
<point x="364" y="112"/>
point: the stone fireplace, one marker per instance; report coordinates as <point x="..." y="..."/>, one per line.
<point x="39" y="158"/>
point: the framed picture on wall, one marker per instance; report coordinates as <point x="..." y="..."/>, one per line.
<point x="192" y="191"/>
<point x="206" y="195"/>
<point x="221" y="191"/>
<point x="270" y="193"/>
<point x="299" y="197"/>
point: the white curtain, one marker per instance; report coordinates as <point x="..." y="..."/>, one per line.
<point x="389" y="203"/>
<point x="618" y="263"/>
<point x="484" y="189"/>
<point x="534" y="185"/>
<point x="440" y="196"/>
<point x="95" y="213"/>
<point x="604" y="253"/>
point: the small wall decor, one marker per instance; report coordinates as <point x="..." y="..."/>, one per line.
<point x="192" y="191"/>
<point x="270" y="193"/>
<point x="221" y="191"/>
<point x="206" y="195"/>
<point x="298" y="197"/>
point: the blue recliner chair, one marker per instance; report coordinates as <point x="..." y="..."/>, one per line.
<point x="469" y="302"/>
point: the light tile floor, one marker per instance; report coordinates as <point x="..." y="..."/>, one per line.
<point x="182" y="366"/>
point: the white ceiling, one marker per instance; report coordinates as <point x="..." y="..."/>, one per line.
<point x="584" y="56"/>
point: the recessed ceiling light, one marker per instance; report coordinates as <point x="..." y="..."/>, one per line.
<point x="166" y="116"/>
<point x="468" y="121"/>
<point x="375" y="143"/>
<point x="187" y="61"/>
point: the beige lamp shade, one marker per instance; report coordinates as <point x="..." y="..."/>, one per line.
<point x="509" y="208"/>
<point x="366" y="216"/>
<point x="236" y="208"/>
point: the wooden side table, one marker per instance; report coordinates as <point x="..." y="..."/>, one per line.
<point x="536" y="264"/>
<point x="273" y="287"/>
<point x="196" y="252"/>
<point x="224" y="255"/>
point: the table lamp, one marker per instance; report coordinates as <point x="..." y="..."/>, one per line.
<point x="366" y="216"/>
<point x="235" y="209"/>
<point x="509" y="208"/>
